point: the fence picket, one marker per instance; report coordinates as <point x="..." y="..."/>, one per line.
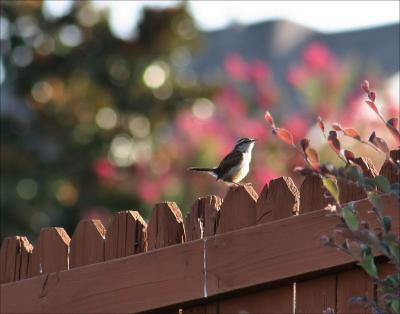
<point x="25" y="257"/>
<point x="317" y="294"/>
<point x="279" y="200"/>
<point x="389" y="170"/>
<point x="205" y="211"/>
<point x="238" y="209"/>
<point x="87" y="243"/>
<point x="350" y="191"/>
<point x="9" y="259"/>
<point x="126" y="235"/>
<point x="50" y="253"/>
<point x="165" y="226"/>
<point x="312" y="194"/>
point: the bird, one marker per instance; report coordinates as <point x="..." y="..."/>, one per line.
<point x="235" y="166"/>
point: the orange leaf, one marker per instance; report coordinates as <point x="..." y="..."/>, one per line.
<point x="379" y="143"/>
<point x="284" y="135"/>
<point x="372" y="105"/>
<point x="336" y="126"/>
<point x="304" y="143"/>
<point x="352" y="133"/>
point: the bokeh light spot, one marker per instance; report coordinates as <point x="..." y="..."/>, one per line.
<point x="22" y="56"/>
<point x="4" y="28"/>
<point x="71" y="35"/>
<point x="203" y="108"/>
<point x="27" y="189"/>
<point x="139" y="126"/>
<point x="122" y="150"/>
<point x="67" y="194"/>
<point x="106" y="118"/>
<point x="156" y="74"/>
<point x="39" y="220"/>
<point x="42" y="92"/>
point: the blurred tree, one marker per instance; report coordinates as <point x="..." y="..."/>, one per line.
<point x="91" y="102"/>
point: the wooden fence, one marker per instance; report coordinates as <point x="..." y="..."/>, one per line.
<point x="243" y="254"/>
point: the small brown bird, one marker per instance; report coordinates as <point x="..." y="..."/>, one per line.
<point x="235" y="166"/>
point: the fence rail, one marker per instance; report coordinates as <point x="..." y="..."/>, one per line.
<point x="245" y="252"/>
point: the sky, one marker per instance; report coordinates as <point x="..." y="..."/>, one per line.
<point x="325" y="16"/>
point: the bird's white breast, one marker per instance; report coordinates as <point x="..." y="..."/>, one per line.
<point x="240" y="172"/>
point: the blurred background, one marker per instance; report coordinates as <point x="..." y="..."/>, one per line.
<point x="104" y="104"/>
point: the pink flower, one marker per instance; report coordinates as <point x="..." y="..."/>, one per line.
<point x="103" y="168"/>
<point x="296" y="124"/>
<point x="236" y="67"/>
<point x="149" y="191"/>
<point x="297" y="75"/>
<point x="258" y="71"/>
<point x="317" y="56"/>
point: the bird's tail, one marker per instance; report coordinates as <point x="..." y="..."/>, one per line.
<point x="211" y="171"/>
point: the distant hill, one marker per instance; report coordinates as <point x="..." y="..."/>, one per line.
<point x="280" y="43"/>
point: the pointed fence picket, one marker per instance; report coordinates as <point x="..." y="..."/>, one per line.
<point x="218" y="240"/>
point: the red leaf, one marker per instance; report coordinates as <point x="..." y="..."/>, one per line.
<point x="269" y="118"/>
<point x="379" y="143"/>
<point x="371" y="96"/>
<point x="352" y="133"/>
<point x="304" y="143"/>
<point x="372" y="105"/>
<point x="349" y="155"/>
<point x="336" y="126"/>
<point x="284" y="135"/>
<point x="365" y="86"/>
<point x="321" y="123"/>
<point x="393" y="122"/>
<point x="334" y="142"/>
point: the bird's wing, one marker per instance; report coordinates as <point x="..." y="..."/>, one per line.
<point x="234" y="158"/>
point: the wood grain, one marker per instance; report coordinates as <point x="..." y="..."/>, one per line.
<point x="278" y="301"/>
<point x="293" y="242"/>
<point x="312" y="193"/>
<point x="50" y="253"/>
<point x="238" y="209"/>
<point x="9" y="259"/>
<point x="353" y="283"/>
<point x="87" y="243"/>
<point x="204" y="211"/>
<point x="389" y="170"/>
<point x="280" y="201"/>
<point x="165" y="226"/>
<point x="126" y="235"/>
<point x="25" y="256"/>
<point x="130" y="284"/>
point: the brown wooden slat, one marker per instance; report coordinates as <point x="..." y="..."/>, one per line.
<point x="205" y="211"/>
<point x="312" y="193"/>
<point x="280" y="201"/>
<point x="316" y="295"/>
<point x="165" y="226"/>
<point x="87" y="243"/>
<point x="384" y="270"/>
<point x="9" y="259"/>
<point x="50" y="253"/>
<point x="278" y="300"/>
<point x="25" y="257"/>
<point x="242" y="258"/>
<point x="209" y="308"/>
<point x="353" y="283"/>
<point x="277" y="201"/>
<point x="126" y="235"/>
<point x="238" y="209"/>
<point x="130" y="284"/>
<point x="389" y="170"/>
<point x="232" y="261"/>
<point x="349" y="191"/>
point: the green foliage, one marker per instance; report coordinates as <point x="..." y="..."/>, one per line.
<point x="330" y="183"/>
<point x="350" y="216"/>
